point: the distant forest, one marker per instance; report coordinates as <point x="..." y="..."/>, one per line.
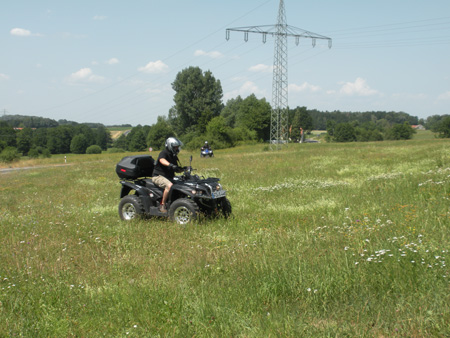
<point x="199" y="114"/>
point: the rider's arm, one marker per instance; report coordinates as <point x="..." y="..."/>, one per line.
<point x="164" y="162"/>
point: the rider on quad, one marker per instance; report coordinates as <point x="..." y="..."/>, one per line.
<point x="206" y="146"/>
<point x="165" y="168"/>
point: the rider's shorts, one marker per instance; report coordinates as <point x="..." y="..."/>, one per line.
<point x="161" y="181"/>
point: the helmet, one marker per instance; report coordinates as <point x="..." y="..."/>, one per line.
<point x="206" y="142"/>
<point x="173" y="145"/>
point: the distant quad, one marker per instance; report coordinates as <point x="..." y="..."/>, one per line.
<point x="189" y="196"/>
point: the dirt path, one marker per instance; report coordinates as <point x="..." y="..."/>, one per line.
<point x="8" y="170"/>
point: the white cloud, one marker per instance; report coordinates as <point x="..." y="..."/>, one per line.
<point x="85" y="75"/>
<point x="247" y="88"/>
<point x="261" y="68"/>
<point x="112" y="61"/>
<point x="359" y="87"/>
<point x="22" y="32"/>
<point x="4" y="76"/>
<point x="154" y="67"/>
<point x="213" y="55"/>
<point x="444" y="96"/>
<point x="99" y="17"/>
<point x="304" y="87"/>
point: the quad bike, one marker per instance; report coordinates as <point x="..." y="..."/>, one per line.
<point x="205" y="152"/>
<point x="189" y="196"/>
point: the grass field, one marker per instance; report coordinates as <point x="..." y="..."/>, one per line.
<point x="327" y="240"/>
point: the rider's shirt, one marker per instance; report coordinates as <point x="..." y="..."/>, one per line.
<point x="162" y="170"/>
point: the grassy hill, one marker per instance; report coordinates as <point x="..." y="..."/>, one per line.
<point x="326" y="240"/>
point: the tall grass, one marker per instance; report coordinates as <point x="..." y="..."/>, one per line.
<point x="326" y="240"/>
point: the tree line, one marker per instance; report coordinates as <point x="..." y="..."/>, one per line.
<point x="61" y="139"/>
<point x="199" y="115"/>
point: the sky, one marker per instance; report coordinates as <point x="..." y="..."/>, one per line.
<point x="114" y="62"/>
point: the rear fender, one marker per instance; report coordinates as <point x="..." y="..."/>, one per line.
<point x="141" y="191"/>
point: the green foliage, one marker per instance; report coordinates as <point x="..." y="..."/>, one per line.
<point x="94" y="149"/>
<point x="121" y="142"/>
<point x="444" y="128"/>
<point x="33" y="153"/>
<point x="8" y="134"/>
<point x="9" y="154"/>
<point x="59" y="139"/>
<point x="198" y="99"/>
<point x="254" y="114"/>
<point x="137" y="139"/>
<point x="115" y="150"/>
<point x="400" y="132"/>
<point x="159" y="133"/>
<point x="386" y="119"/>
<point x="17" y="121"/>
<point x="102" y="137"/>
<point x="344" y="132"/>
<point x="300" y="120"/>
<point x="46" y="153"/>
<point x="79" y="144"/>
<point x="24" y="140"/>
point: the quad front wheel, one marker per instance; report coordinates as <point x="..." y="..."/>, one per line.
<point x="183" y="211"/>
<point x="130" y="207"/>
<point x="225" y="207"/>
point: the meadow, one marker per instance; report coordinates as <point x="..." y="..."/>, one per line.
<point x="326" y="240"/>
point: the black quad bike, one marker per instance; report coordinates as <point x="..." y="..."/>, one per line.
<point x="189" y="196"/>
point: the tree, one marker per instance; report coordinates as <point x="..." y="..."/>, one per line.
<point x="7" y="134"/>
<point x="219" y="133"/>
<point x="400" y="132"/>
<point x="137" y="140"/>
<point x="59" y="139"/>
<point x="24" y="138"/>
<point x="254" y="114"/>
<point x="198" y="99"/>
<point x="79" y="144"/>
<point x="158" y="133"/>
<point x="444" y="128"/>
<point x="9" y="154"/>
<point x="102" y="137"/>
<point x="303" y="120"/>
<point x="230" y="111"/>
<point x="344" y="132"/>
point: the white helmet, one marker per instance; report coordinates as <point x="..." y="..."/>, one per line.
<point x="173" y="145"/>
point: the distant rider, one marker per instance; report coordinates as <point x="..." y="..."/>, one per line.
<point x="166" y="167"/>
<point x="206" y="146"/>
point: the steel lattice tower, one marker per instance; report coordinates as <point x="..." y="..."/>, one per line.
<point x="281" y="31"/>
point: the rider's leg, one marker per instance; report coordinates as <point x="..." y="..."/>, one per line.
<point x="166" y="193"/>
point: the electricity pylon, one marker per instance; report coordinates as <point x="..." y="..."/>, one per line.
<point x="281" y="31"/>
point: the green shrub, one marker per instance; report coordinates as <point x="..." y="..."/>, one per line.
<point x="46" y="153"/>
<point x="33" y="153"/>
<point x="94" y="149"/>
<point x="115" y="150"/>
<point x="9" y="154"/>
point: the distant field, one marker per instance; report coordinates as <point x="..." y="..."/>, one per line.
<point x="117" y="132"/>
<point x="327" y="240"/>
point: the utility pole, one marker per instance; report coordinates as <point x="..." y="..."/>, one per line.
<point x="281" y="31"/>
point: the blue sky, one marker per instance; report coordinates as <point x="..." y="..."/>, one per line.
<point x="113" y="62"/>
